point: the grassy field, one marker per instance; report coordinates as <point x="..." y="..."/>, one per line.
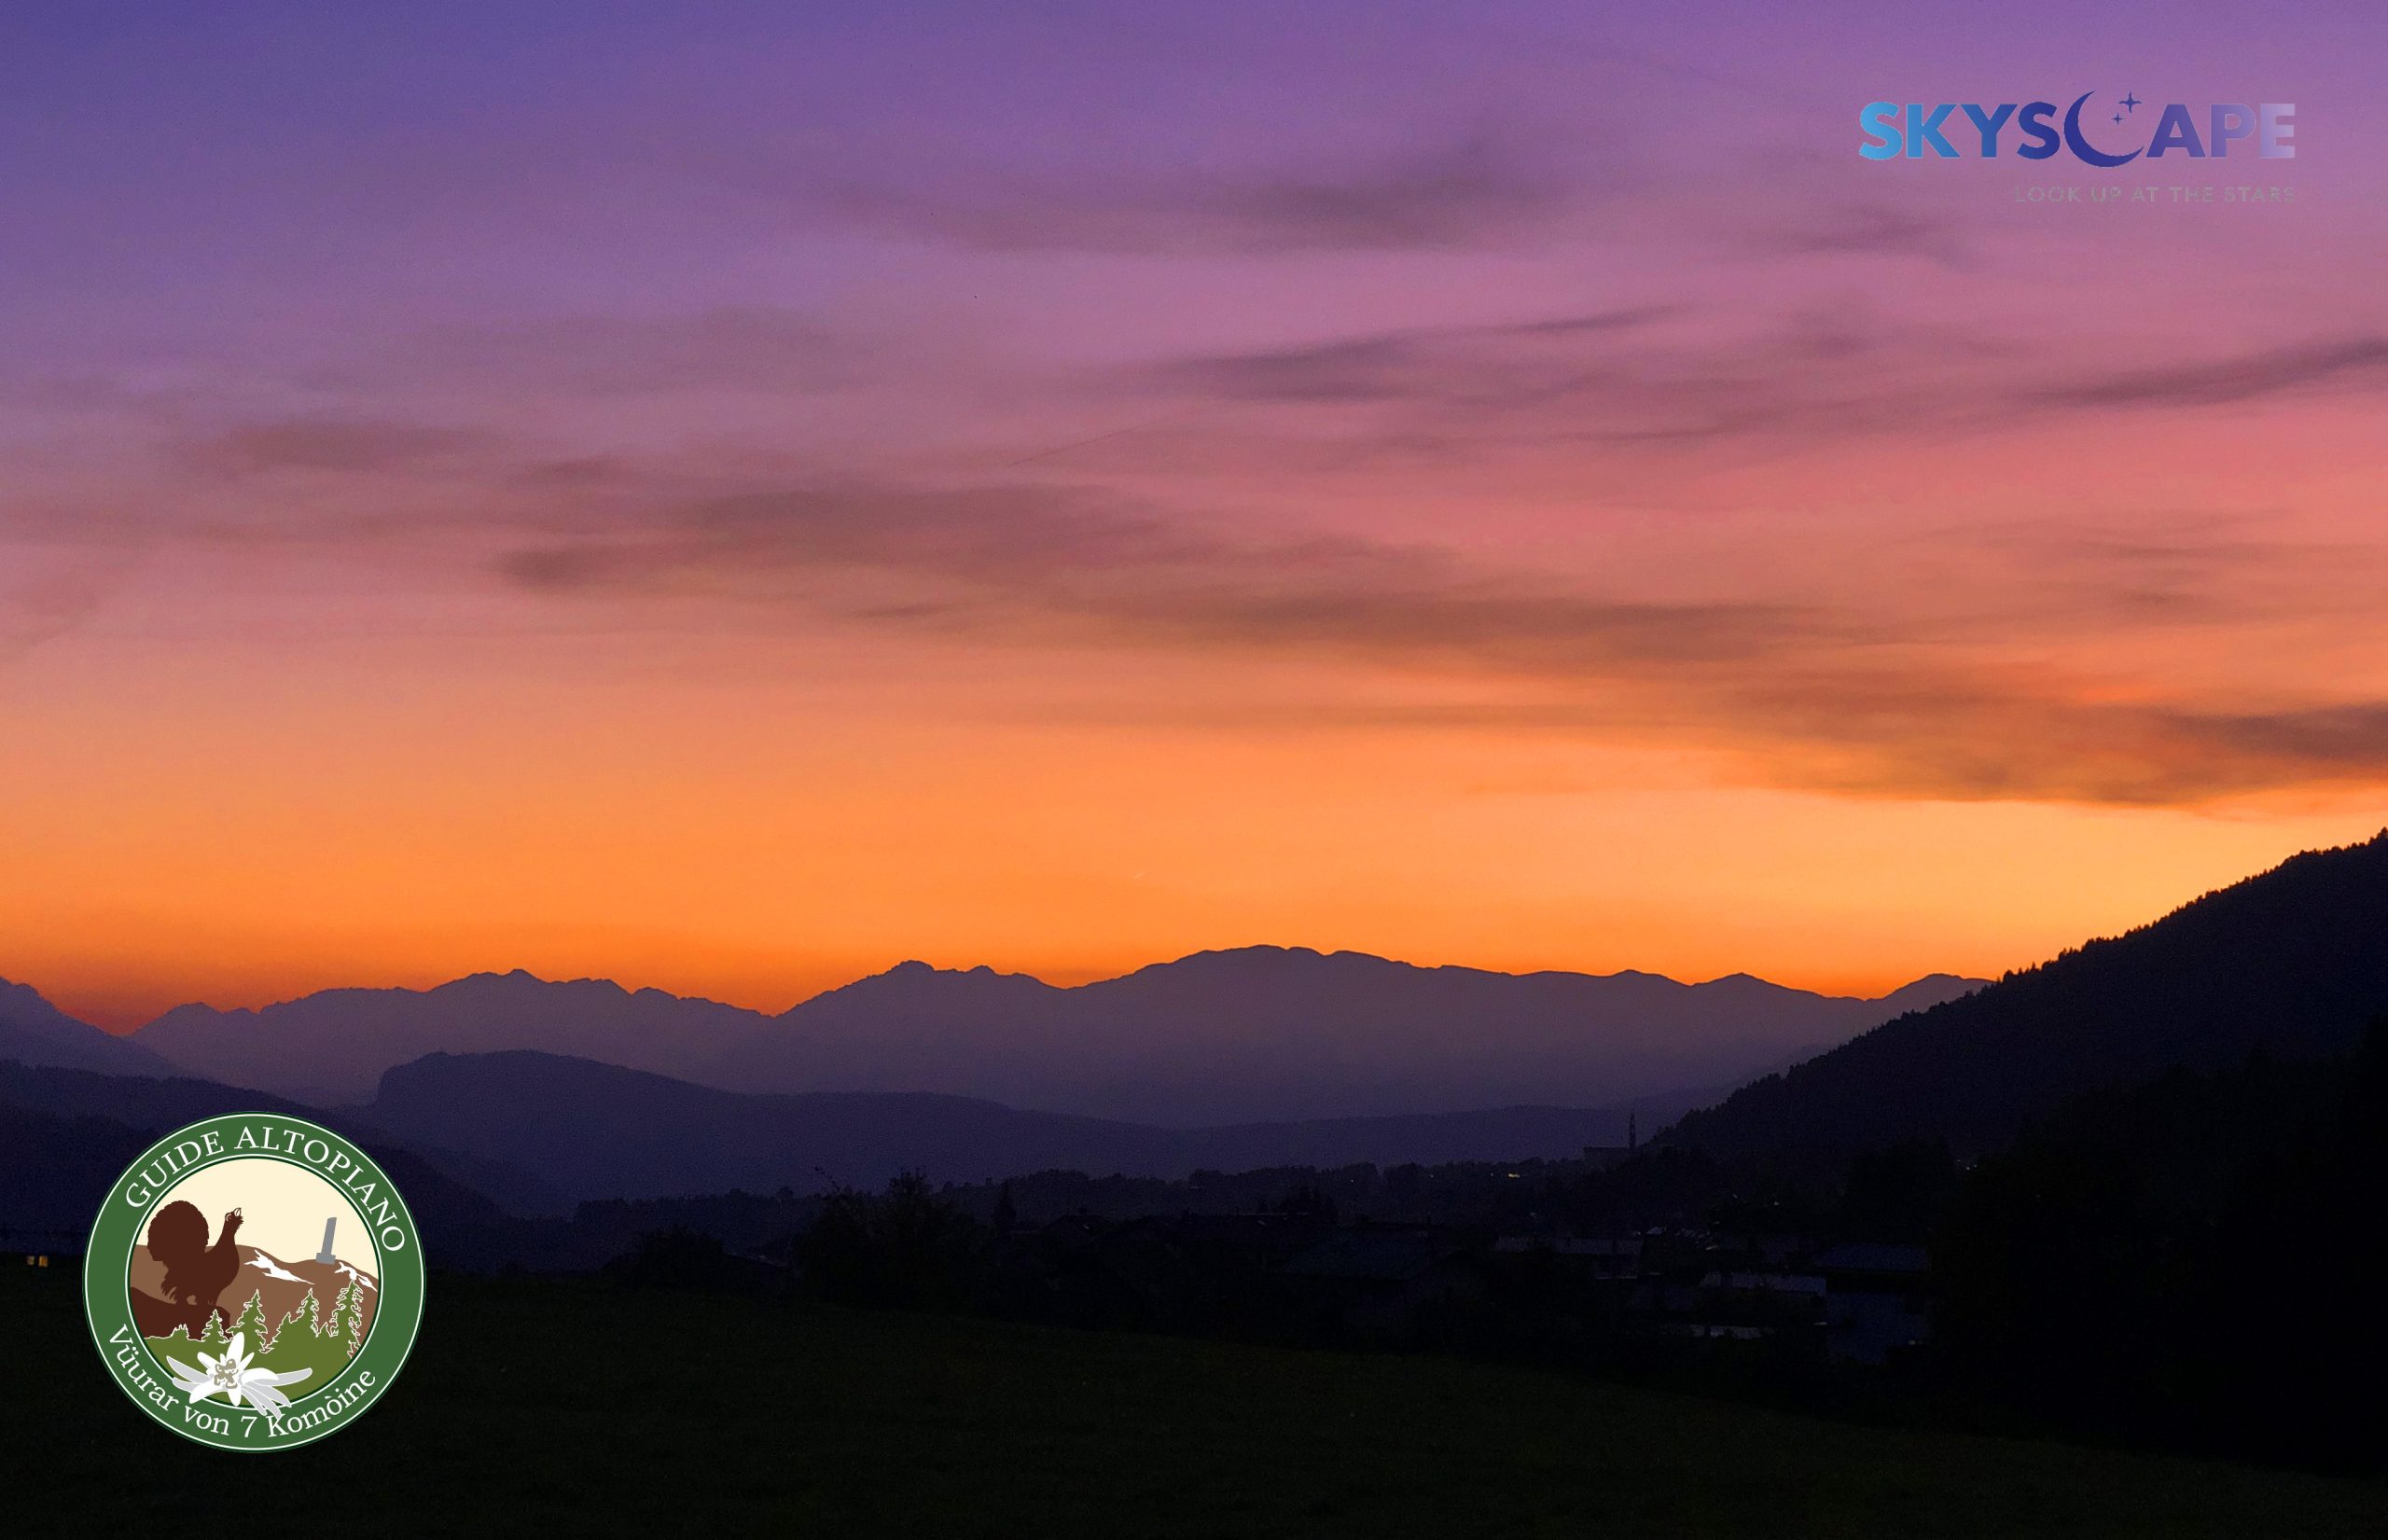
<point x="559" y="1407"/>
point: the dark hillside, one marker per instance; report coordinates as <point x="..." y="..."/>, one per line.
<point x="2292" y="962"/>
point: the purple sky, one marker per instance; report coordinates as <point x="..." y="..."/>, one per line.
<point x="733" y="495"/>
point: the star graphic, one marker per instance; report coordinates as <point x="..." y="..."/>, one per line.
<point x="2131" y="105"/>
<point x="2119" y="118"/>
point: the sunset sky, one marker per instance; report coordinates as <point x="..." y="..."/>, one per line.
<point x="732" y="497"/>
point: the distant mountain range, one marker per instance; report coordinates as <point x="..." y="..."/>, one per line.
<point x="841" y="1089"/>
<point x="2292" y="962"/>
<point x="466" y="1079"/>
<point x="1258" y="1034"/>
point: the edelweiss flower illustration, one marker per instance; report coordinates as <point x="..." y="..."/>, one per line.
<point x="231" y="1376"/>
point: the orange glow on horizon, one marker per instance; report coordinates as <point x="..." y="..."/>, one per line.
<point x="758" y="844"/>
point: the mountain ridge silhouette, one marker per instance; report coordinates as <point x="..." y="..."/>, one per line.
<point x="1234" y="1034"/>
<point x="34" y="1031"/>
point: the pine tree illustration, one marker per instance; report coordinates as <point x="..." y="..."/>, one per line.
<point x="335" y="1319"/>
<point x="212" y="1338"/>
<point x="252" y="1323"/>
<point x="303" y="1310"/>
<point x="355" y="1318"/>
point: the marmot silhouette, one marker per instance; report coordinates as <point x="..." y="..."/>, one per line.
<point x="196" y="1272"/>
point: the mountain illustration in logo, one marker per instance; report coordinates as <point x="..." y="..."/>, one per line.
<point x="262" y="1326"/>
<point x="250" y="1285"/>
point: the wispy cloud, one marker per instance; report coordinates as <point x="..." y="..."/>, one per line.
<point x="49" y="606"/>
<point x="1866" y="229"/>
<point x="1660" y="376"/>
<point x="2345" y="363"/>
<point x="1479" y="190"/>
<point x="1686" y="376"/>
<point x="1033" y="561"/>
<point x="741" y="348"/>
<point x="1520" y="361"/>
<point x="332" y="444"/>
<point x="1885" y="703"/>
<point x="1939" y="733"/>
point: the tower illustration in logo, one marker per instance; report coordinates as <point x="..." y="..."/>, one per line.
<point x="208" y="1307"/>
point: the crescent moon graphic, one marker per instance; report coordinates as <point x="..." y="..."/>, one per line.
<point x="2082" y="148"/>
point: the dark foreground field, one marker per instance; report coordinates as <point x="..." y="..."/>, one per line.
<point x="550" y="1408"/>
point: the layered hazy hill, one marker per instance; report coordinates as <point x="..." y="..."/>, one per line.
<point x="66" y="1134"/>
<point x="534" y="1133"/>
<point x="1262" y="1032"/>
<point x="2292" y="962"/>
<point x="34" y="1031"/>
<point x="599" y="1131"/>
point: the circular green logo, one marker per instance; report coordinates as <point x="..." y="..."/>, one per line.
<point x="255" y="1281"/>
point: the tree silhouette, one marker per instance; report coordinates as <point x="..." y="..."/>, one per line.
<point x="908" y="1247"/>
